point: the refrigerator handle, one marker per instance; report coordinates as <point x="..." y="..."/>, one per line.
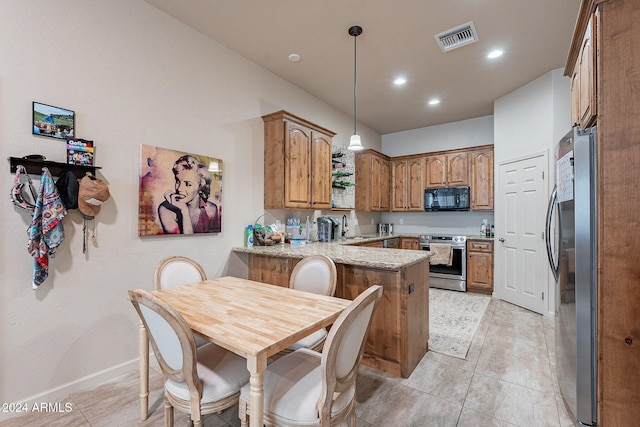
<point x="553" y="203"/>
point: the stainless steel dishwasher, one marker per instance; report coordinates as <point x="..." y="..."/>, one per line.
<point x="392" y="243"/>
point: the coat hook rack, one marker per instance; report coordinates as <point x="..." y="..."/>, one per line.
<point x="34" y="167"/>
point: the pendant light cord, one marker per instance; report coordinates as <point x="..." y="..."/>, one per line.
<point x="355" y="70"/>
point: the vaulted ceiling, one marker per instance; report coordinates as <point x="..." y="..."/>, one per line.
<point x="397" y="40"/>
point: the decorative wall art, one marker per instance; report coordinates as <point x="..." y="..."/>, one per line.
<point x="180" y="193"/>
<point x="80" y="152"/>
<point x="54" y="122"/>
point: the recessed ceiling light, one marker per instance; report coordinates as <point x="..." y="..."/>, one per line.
<point x="294" y="57"/>
<point x="434" y="101"/>
<point x="495" y="54"/>
<point x="399" y="81"/>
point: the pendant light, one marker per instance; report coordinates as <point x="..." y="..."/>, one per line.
<point x="355" y="144"/>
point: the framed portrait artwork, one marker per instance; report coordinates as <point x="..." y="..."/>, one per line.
<point x="180" y="193"/>
<point x="53" y="122"/>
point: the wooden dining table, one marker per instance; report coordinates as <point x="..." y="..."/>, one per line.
<point x="252" y="319"/>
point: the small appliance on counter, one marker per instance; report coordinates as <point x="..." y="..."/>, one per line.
<point x="328" y="229"/>
<point x="385" y="228"/>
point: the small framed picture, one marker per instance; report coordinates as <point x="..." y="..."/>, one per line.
<point x="80" y="152"/>
<point x="53" y="122"/>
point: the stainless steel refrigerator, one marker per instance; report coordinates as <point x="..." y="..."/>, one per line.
<point x="571" y="247"/>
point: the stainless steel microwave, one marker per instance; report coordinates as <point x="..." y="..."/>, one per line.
<point x="446" y="199"/>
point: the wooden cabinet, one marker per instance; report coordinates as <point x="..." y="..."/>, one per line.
<point x="481" y="179"/>
<point x="374" y="244"/>
<point x="409" y="243"/>
<point x="583" y="87"/>
<point x="399" y="332"/>
<point x="447" y="170"/>
<point x="480" y="266"/>
<point x="407" y="183"/>
<point x="297" y="163"/>
<point x="618" y="169"/>
<point x="372" y="182"/>
<point x="265" y="269"/>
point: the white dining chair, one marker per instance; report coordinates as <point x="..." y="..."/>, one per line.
<point x="177" y="270"/>
<point x="198" y="381"/>
<point x="170" y="272"/>
<point x="307" y="388"/>
<point x="316" y="274"/>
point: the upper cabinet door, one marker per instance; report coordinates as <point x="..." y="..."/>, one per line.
<point x="481" y="186"/>
<point x="436" y="171"/>
<point x="398" y="186"/>
<point x="583" y="87"/>
<point x="372" y="182"/>
<point x="320" y="171"/>
<point x="297" y="161"/>
<point x="381" y="169"/>
<point x="415" y="184"/>
<point x="458" y="169"/>
<point x="586" y="62"/>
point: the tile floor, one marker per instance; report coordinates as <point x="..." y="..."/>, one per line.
<point x="508" y="379"/>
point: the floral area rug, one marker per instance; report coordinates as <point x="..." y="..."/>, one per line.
<point x="453" y="320"/>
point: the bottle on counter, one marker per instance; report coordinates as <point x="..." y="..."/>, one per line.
<point x="248" y="236"/>
<point x="483" y="228"/>
<point x="492" y="230"/>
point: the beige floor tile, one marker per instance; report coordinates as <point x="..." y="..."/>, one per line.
<point x="61" y="414"/>
<point x="512" y="403"/>
<point x="563" y="413"/>
<point x="525" y="331"/>
<point x="471" y="418"/>
<point x="368" y="387"/>
<point x="517" y="347"/>
<point x="444" y="381"/>
<point x="513" y="314"/>
<point x="502" y="366"/>
<point x="405" y="406"/>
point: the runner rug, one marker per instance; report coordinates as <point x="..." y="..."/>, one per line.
<point x="453" y="320"/>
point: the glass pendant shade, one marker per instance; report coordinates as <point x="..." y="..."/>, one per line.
<point x="355" y="144"/>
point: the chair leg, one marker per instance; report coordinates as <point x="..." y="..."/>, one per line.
<point x="352" y="418"/>
<point x="168" y="413"/>
<point x="243" y="413"/>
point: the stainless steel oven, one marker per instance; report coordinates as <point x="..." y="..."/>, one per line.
<point x="443" y="276"/>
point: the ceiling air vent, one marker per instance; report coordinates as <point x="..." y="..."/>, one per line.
<point x="457" y="37"/>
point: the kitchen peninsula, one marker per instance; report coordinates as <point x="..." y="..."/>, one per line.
<point x="399" y="331"/>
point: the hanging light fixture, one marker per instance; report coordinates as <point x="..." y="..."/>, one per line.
<point x="355" y="144"/>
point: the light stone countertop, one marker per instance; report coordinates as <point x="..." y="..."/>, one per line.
<point x="344" y="252"/>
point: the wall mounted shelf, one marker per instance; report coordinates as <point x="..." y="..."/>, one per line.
<point x="34" y="167"/>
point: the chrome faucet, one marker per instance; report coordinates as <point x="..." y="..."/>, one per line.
<point x="345" y="226"/>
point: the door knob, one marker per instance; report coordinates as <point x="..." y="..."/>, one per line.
<point x="501" y="240"/>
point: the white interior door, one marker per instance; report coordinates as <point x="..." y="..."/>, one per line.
<point x="521" y="270"/>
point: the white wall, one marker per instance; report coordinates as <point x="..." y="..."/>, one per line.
<point x="530" y="121"/>
<point x="134" y="76"/>
<point x="532" y="118"/>
<point x="448" y="136"/>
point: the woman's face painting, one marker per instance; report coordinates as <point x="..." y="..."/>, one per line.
<point x="187" y="184"/>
